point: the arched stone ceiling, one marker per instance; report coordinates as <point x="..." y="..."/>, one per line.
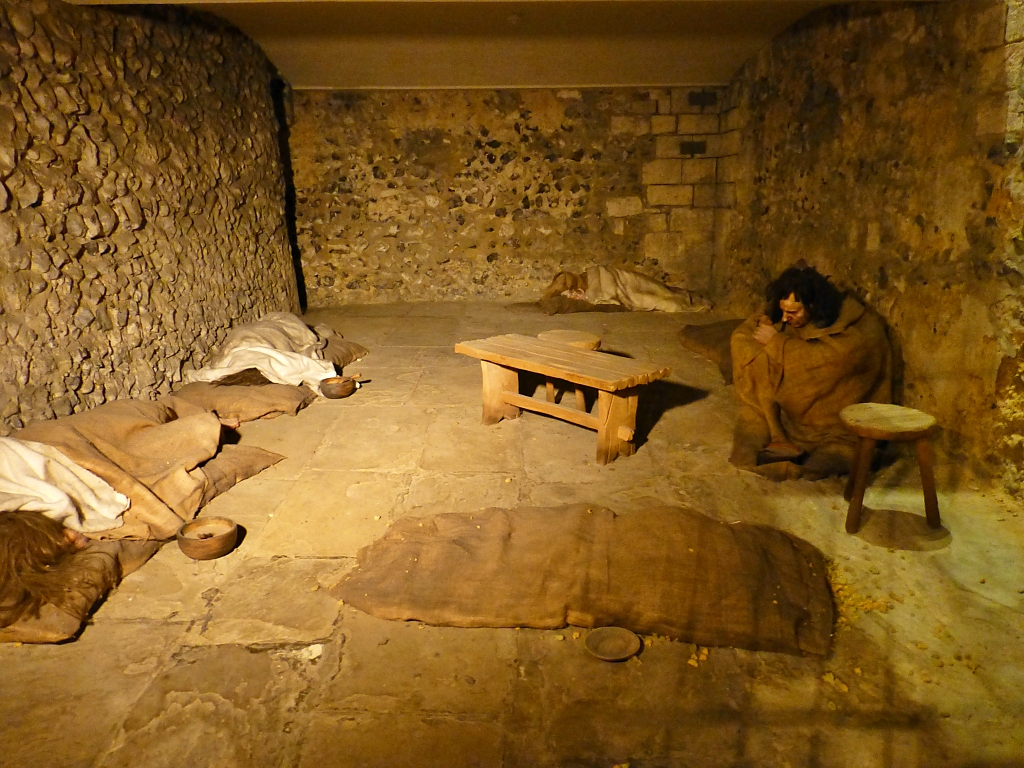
<point x="494" y="44"/>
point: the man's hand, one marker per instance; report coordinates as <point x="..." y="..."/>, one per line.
<point x="765" y="330"/>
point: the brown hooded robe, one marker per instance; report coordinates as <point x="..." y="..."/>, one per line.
<point x="793" y="388"/>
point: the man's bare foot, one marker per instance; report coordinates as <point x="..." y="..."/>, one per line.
<point x="779" y="471"/>
<point x="784" y="450"/>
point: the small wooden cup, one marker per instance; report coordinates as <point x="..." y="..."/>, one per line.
<point x="208" y="538"/>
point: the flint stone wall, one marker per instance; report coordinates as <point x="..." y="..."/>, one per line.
<point x="875" y="145"/>
<point x="440" y="195"/>
<point x="141" y="202"/>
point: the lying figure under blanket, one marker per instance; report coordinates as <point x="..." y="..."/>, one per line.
<point x="282" y="348"/>
<point x="86" y="498"/>
<point x="795" y="367"/>
<point x="631" y="290"/>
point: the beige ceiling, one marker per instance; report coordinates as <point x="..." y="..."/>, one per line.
<point x="492" y="44"/>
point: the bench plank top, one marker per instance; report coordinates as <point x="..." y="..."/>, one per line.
<point x="599" y="370"/>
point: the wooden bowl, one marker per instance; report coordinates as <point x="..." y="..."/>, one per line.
<point x="337" y="387"/>
<point x="613" y="643"/>
<point x="208" y="538"/>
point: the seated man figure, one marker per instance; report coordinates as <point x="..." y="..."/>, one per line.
<point x="795" y="368"/>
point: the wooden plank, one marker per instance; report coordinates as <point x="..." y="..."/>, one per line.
<point x="625" y="366"/>
<point x="558" y="357"/>
<point x="558" y="411"/>
<point x="563" y="354"/>
<point x="579" y="366"/>
<point x="608" y="366"/>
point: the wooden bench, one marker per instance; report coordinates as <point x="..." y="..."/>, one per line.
<point x="617" y="380"/>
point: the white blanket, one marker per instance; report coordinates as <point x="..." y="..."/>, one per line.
<point x="38" y="478"/>
<point x="610" y="285"/>
<point x="279" y="345"/>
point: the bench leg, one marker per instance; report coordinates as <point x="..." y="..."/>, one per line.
<point x="497" y="380"/>
<point x="616" y="419"/>
<point x="931" y="501"/>
<point x="865" y="452"/>
<point x="581" y="400"/>
<point x="549" y="387"/>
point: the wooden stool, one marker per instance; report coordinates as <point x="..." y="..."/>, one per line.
<point x="877" y="421"/>
<point x="580" y="340"/>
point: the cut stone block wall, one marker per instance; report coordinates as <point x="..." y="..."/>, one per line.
<point x="452" y="194"/>
<point x="141" y="201"/>
<point x="875" y="143"/>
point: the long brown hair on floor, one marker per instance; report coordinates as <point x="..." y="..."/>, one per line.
<point x="564" y="281"/>
<point x="39" y="564"/>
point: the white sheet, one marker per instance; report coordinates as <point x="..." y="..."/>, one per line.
<point x="610" y="285"/>
<point x="38" y="478"/>
<point x="279" y="345"/>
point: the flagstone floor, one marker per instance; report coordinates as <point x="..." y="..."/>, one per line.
<point x="247" y="660"/>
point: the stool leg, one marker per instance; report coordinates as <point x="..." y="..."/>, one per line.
<point x="848" y="493"/>
<point x="924" y="463"/>
<point x="581" y="400"/>
<point x="864" y="455"/>
<point x="549" y="385"/>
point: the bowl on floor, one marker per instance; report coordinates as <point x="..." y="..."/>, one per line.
<point x="208" y="538"/>
<point x="613" y="643"/>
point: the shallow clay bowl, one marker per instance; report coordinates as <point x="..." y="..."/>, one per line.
<point x="337" y="387"/>
<point x="208" y="538"/>
<point x="612" y="643"/>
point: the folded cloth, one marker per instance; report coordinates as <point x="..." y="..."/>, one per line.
<point x="38" y="478"/>
<point x="279" y="345"/>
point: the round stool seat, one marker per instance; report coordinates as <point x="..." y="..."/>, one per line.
<point x="881" y="421"/>
<point x="580" y="339"/>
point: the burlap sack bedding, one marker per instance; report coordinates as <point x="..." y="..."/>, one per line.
<point x="712" y="340"/>
<point x="167" y="457"/>
<point x="670" y="571"/>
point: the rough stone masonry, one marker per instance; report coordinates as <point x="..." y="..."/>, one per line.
<point x="435" y="195"/>
<point x="141" y="201"/>
<point x="882" y="143"/>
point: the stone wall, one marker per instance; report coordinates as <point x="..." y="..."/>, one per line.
<point x="141" y="201"/>
<point x="875" y="145"/>
<point x="451" y="194"/>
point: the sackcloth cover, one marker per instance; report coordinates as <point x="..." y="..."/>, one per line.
<point x="670" y="571"/>
<point x="712" y="340"/>
<point x="794" y="387"/>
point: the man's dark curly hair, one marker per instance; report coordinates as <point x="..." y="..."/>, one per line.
<point x="812" y="289"/>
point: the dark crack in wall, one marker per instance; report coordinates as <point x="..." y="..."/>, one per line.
<point x="141" y="201"/>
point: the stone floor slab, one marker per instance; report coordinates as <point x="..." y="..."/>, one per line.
<point x="331" y="514"/>
<point x="441" y="492"/>
<point x="374" y="437"/>
<point x="365" y="740"/>
<point x="63" y="704"/>
<point x="457" y="439"/>
<point x="271" y="601"/>
<point x="403" y="666"/>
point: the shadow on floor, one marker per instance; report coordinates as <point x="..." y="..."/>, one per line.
<point x="896" y="529"/>
<point x="657" y="399"/>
